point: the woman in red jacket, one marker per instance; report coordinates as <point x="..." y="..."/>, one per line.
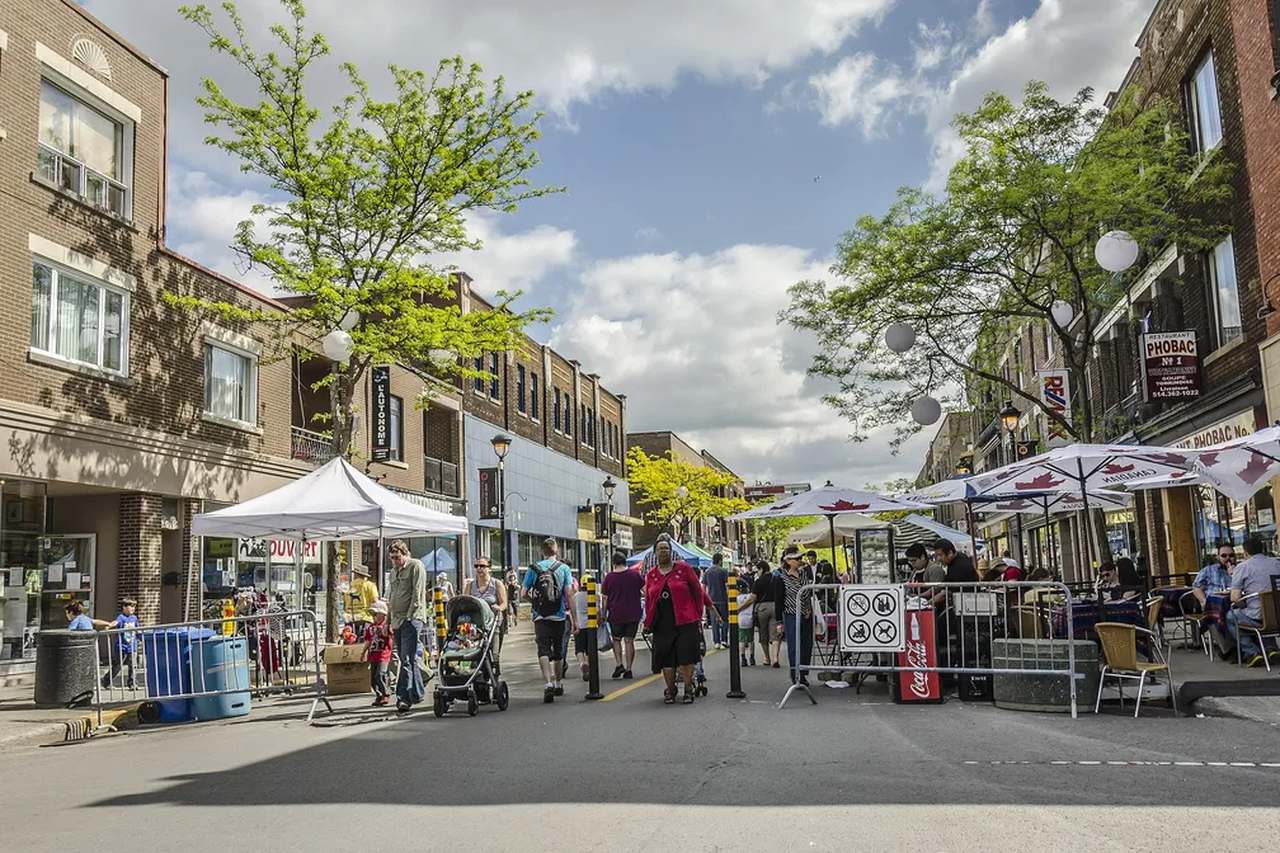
<point x="673" y="614"/>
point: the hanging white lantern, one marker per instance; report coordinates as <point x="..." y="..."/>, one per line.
<point x="337" y="346"/>
<point x="1116" y="251"/>
<point x="926" y="411"/>
<point x="899" y="337"/>
<point x="1063" y="312"/>
<point x="349" y="320"/>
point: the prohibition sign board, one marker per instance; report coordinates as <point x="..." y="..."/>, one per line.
<point x="871" y="617"/>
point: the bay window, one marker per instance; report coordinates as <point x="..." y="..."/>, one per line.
<point x="78" y="319"/>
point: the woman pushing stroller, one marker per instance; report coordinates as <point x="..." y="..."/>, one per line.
<point x="674" y="601"/>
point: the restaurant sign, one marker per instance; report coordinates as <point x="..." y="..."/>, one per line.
<point x="1237" y="426"/>
<point x="1170" y="365"/>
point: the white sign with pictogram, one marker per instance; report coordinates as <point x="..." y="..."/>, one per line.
<point x="871" y="618"/>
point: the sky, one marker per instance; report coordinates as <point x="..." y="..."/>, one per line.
<point x="713" y="154"/>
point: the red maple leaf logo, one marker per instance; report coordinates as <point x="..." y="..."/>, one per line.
<point x="843" y="505"/>
<point x="1170" y="459"/>
<point x="777" y="507"/>
<point x="1256" y="469"/>
<point x="1014" y="505"/>
<point x="1114" y="468"/>
<point x="1044" y="481"/>
<point x="1208" y="460"/>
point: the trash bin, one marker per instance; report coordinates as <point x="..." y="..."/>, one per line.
<point x="66" y="666"/>
<point x="224" y="662"/>
<point x="168" y="669"/>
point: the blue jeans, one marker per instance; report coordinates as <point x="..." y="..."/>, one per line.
<point x="719" y="627"/>
<point x="409" y="686"/>
<point x="1246" y="640"/>
<point x="806" y="640"/>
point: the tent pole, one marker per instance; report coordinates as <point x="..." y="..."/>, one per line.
<point x="831" y="520"/>
<point x="893" y="557"/>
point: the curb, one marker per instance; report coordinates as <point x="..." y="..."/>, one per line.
<point x="1230" y="706"/>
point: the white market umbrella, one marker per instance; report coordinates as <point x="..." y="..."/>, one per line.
<point x="1167" y="481"/>
<point x="1242" y="467"/>
<point x="1082" y="469"/>
<point x="829" y="501"/>
<point x="335" y="501"/>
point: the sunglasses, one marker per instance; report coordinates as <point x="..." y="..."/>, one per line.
<point x="480" y="566"/>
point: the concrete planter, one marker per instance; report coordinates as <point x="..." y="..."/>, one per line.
<point x="1043" y="692"/>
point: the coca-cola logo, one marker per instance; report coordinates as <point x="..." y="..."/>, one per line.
<point x="918" y="655"/>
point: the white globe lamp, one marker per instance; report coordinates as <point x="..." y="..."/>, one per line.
<point x="899" y="337"/>
<point x="1063" y="313"/>
<point x="337" y="346"/>
<point x="926" y="411"/>
<point x="1116" y="251"/>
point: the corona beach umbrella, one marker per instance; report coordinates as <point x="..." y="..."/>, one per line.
<point x="830" y="501"/>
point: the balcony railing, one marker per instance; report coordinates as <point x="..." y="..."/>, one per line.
<point x="73" y="176"/>
<point x="442" y="477"/>
<point x="311" y="446"/>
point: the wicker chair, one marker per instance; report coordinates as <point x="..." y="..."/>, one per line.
<point x="1120" y="661"/>
<point x="1270" y="627"/>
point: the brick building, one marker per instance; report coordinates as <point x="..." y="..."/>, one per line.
<point x="950" y="453"/>
<point x="710" y="534"/>
<point x="122" y="416"/>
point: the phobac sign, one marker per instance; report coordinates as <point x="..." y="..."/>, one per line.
<point x="1170" y="365"/>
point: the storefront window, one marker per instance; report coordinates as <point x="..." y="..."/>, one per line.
<point x="1122" y="534"/>
<point x="22" y="571"/>
<point x="1219" y="519"/>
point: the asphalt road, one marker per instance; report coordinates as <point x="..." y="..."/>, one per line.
<point x="629" y="773"/>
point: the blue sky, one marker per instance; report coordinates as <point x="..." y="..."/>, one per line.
<point x="713" y="153"/>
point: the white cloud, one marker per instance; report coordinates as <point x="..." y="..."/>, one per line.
<point x="201" y="223"/>
<point x="648" y="234"/>
<point x="692" y="339"/>
<point x="853" y="91"/>
<point x="511" y="261"/>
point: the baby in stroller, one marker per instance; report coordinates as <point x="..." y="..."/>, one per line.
<point x="467" y="665"/>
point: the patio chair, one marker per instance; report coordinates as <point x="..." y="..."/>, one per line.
<point x="1120" y="661"/>
<point x="1270" y="627"/>
<point x="1186" y="625"/>
<point x="1152" y="609"/>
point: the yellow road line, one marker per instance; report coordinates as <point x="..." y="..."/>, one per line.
<point x="648" y="679"/>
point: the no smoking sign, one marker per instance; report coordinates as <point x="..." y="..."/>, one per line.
<point x="871" y="618"/>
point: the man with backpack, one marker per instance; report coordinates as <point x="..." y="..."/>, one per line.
<point x="547" y="586"/>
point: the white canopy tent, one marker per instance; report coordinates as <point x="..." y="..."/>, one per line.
<point x="333" y="502"/>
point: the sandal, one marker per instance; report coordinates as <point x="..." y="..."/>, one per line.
<point x="669" y="696"/>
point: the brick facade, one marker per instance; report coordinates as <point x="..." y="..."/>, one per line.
<point x="138" y="566"/>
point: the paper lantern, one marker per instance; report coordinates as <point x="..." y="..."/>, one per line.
<point x="337" y="346"/>
<point x="1116" y="251"/>
<point x="899" y="337"/>
<point x="1063" y="312"/>
<point x="926" y="411"/>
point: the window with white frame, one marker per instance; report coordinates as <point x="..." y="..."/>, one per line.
<point x="79" y="319"/>
<point x="230" y="383"/>
<point x="1204" y="116"/>
<point x="396" y="428"/>
<point x="1226" y="293"/>
<point x="83" y="150"/>
<point x="520" y="388"/>
<point x="495" y="388"/>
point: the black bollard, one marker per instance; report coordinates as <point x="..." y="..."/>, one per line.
<point x="735" y="665"/>
<point x="593" y="651"/>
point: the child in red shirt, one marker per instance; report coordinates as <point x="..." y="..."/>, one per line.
<point x="377" y="648"/>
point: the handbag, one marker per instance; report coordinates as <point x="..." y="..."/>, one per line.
<point x="604" y="638"/>
<point x="820" y="618"/>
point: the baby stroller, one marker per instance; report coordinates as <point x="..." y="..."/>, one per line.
<point x="467" y="666"/>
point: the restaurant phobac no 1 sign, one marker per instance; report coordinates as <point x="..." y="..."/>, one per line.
<point x="1170" y="365"/>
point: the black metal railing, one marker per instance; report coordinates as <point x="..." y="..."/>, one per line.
<point x="69" y="174"/>
<point x="311" y="446"/>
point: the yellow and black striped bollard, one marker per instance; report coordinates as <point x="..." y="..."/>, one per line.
<point x="593" y="652"/>
<point x="735" y="664"/>
<point x="442" y="627"/>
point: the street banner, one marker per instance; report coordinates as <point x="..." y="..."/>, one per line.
<point x="1024" y="450"/>
<point x="1170" y="365"/>
<point x="1055" y="393"/>
<point x="381" y="380"/>
<point x="490" y="509"/>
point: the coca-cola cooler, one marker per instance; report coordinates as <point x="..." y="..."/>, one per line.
<point x="922" y="650"/>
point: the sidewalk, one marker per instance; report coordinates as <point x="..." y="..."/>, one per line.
<point x="23" y="724"/>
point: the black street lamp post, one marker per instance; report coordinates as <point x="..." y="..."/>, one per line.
<point x="501" y="444"/>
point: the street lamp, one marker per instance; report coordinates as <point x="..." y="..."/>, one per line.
<point x="1009" y="416"/>
<point x="501" y="444"/>
<point x="608" y="485"/>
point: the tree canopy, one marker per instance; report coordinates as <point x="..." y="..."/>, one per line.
<point x="1038" y="183"/>
<point x="679" y="492"/>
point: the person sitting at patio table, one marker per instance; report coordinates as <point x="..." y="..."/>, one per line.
<point x="959" y="567"/>
<point x="1215" y="576"/>
<point x="1250" y="578"/>
<point x="924" y="569"/>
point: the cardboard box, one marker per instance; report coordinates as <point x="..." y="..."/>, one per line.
<point x="345" y="670"/>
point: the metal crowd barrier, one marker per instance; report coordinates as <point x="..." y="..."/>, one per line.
<point x="264" y="654"/>
<point x="967" y="617"/>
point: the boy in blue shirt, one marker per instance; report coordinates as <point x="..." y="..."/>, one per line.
<point x="122" y="649"/>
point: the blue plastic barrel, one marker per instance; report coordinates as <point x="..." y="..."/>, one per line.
<point x="168" y="661"/>
<point x="224" y="662"/>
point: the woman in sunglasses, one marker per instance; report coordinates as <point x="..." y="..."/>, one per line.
<point x="490" y="590"/>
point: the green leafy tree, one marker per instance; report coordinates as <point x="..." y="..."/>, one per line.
<point x="1037" y="185"/>
<point x="361" y="198"/>
<point x="679" y="493"/>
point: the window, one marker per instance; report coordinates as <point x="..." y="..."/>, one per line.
<point x="229" y="383"/>
<point x="555" y="410"/>
<point x="1202" y="105"/>
<point x="597" y="421"/>
<point x="568" y="415"/>
<point x="478" y="382"/>
<point x="1226" y="295"/>
<point x="520" y="388"/>
<point x="396" y="426"/>
<point x="81" y="150"/>
<point x="535" y="392"/>
<point x="495" y="390"/>
<point x="78" y="319"/>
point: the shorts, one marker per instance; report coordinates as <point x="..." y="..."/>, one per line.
<point x="623" y="630"/>
<point x="766" y="618"/>
<point x="580" y="644"/>
<point x="744" y="636"/>
<point x="678" y="647"/>
<point x="549" y="635"/>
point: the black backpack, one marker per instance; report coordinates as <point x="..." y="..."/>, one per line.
<point x="547" y="592"/>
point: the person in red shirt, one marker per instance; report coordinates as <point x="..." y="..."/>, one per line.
<point x="377" y="650"/>
<point x="673" y="614"/>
